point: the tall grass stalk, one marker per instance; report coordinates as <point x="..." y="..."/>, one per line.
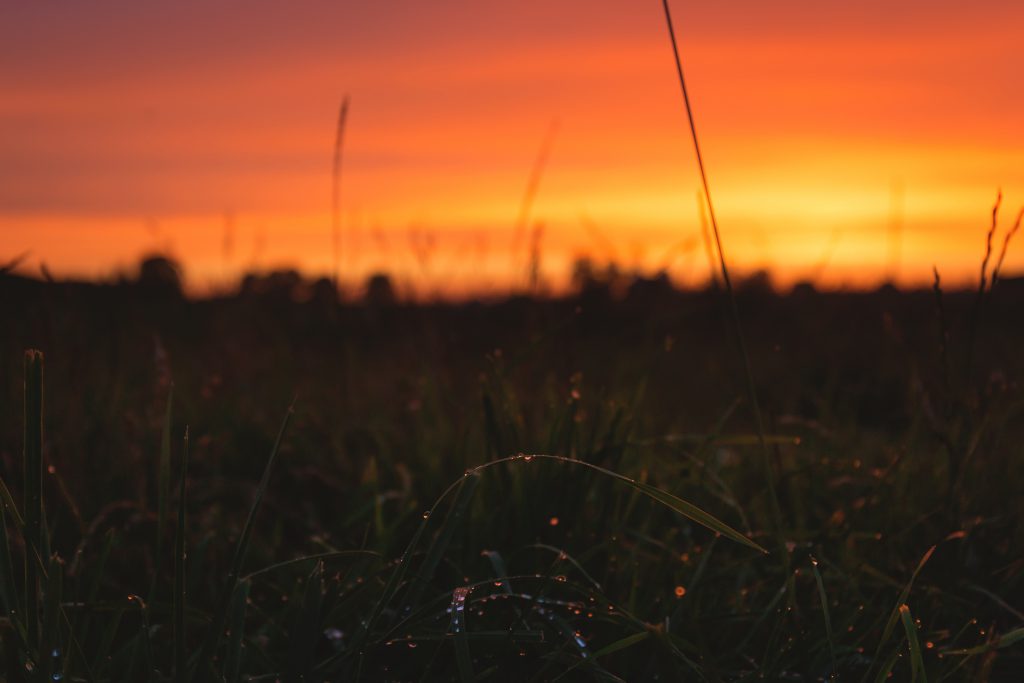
<point x="339" y="139"/>
<point x="33" y="491"/>
<point x="733" y="307"/>
<point x="532" y="185"/>
<point x="180" y="556"/>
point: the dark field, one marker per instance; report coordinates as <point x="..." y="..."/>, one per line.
<point x="894" y="449"/>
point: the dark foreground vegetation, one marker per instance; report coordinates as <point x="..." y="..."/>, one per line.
<point x="393" y="530"/>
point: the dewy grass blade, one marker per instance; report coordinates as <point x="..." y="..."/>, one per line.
<point x="457" y="628"/>
<point x="916" y="660"/>
<point x="213" y="636"/>
<point x="894" y="616"/>
<point x="1005" y="640"/>
<point x="679" y="505"/>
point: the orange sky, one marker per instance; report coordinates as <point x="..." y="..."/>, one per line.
<point x="206" y="129"/>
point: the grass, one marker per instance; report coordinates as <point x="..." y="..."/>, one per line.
<point x="628" y="550"/>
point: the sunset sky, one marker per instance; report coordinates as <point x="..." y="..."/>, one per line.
<point x="844" y="141"/>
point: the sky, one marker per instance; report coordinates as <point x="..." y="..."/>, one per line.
<point x="847" y="143"/>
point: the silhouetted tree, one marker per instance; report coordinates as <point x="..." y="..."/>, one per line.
<point x="161" y="274"/>
<point x="379" y="290"/>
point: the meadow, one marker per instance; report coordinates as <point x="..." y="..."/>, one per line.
<point x="275" y="485"/>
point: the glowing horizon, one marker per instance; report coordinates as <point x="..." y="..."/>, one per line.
<point x="827" y="131"/>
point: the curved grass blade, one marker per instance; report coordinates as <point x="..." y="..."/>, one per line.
<point x="667" y="499"/>
<point x="564" y="556"/>
<point x="741" y="343"/>
<point x="213" y="636"/>
<point x="1005" y="640"/>
<point x="334" y="554"/>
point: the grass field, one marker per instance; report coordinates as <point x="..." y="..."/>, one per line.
<point x="178" y="520"/>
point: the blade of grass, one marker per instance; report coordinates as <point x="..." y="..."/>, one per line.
<point x="50" y="649"/>
<point x="236" y="629"/>
<point x="733" y="307"/>
<point x="828" y="619"/>
<point x="1006" y="243"/>
<point x="212" y="640"/>
<point x="141" y="642"/>
<point x="180" y="665"/>
<point x="457" y="627"/>
<point x="33" y="491"/>
<point x="334" y="554"/>
<point x="972" y="329"/>
<point x="887" y="667"/>
<point x="444" y="535"/>
<point x="163" y="490"/>
<point x="8" y="582"/>
<point x="894" y="616"/>
<point x="916" y="660"/>
<point x="336" y="191"/>
<point x="686" y="509"/>
<point x="618" y="645"/>
<point x="1005" y="640"/>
